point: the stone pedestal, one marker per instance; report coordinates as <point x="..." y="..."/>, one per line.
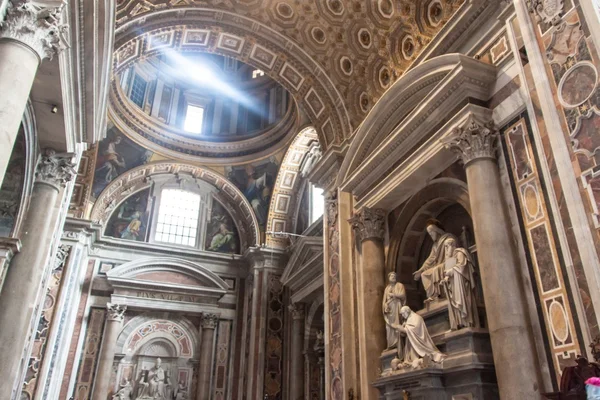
<point x="209" y="324"/>
<point x="25" y="275"/>
<point x="30" y="34"/>
<point x="369" y="226"/>
<point x="509" y="327"/>
<point x="296" y="358"/>
<point x="114" y="323"/>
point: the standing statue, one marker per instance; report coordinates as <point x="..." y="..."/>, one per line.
<point x="431" y="272"/>
<point x="459" y="285"/>
<point x="394" y="298"/>
<point x="419" y="348"/>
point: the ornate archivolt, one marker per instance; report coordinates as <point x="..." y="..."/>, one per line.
<point x="288" y="189"/>
<point x="141" y="178"/>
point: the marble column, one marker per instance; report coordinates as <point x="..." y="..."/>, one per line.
<point x="29" y="34"/>
<point x="26" y="271"/>
<point x="114" y="323"/>
<point x="296" y="358"/>
<point x="508" y="321"/>
<point x="369" y="227"/>
<point x="209" y="324"/>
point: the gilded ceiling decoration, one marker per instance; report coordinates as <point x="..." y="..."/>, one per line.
<point x="336" y="57"/>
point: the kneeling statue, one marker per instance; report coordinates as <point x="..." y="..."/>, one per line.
<point x="419" y="348"/>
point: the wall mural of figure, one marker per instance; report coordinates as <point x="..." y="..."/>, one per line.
<point x="130" y="220"/>
<point x="116" y="154"/>
<point x="222" y="235"/>
<point x="256" y="181"/>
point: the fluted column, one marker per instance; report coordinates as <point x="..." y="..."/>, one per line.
<point x="114" y="323"/>
<point x="508" y="323"/>
<point x="208" y="324"/>
<point x="29" y="34"/>
<point x="26" y="271"/>
<point x="369" y="227"/>
<point x="296" y="358"/>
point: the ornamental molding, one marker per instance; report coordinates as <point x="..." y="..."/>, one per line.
<point x="116" y="312"/>
<point x="36" y="26"/>
<point x="297" y="311"/>
<point x="548" y="11"/>
<point x="474" y="140"/>
<point x="369" y="224"/>
<point x="55" y="169"/>
<point x="209" y="321"/>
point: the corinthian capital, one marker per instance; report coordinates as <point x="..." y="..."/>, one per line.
<point x="37" y="26"/>
<point x="369" y="224"/>
<point x="116" y="312"/>
<point x="54" y="169"/>
<point x="474" y="140"/>
<point x="209" y="321"/>
<point x="297" y="310"/>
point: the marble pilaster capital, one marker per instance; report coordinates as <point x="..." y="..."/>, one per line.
<point x="54" y="169"/>
<point x="116" y="312"/>
<point x="209" y="321"/>
<point x="369" y="223"/>
<point x="39" y="27"/>
<point x="474" y="140"/>
<point x="297" y="310"/>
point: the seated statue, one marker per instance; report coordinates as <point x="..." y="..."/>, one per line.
<point x="459" y="286"/>
<point x="573" y="378"/>
<point x="431" y="272"/>
<point x="419" y="348"/>
<point x="394" y="297"/>
<point x="152" y="383"/>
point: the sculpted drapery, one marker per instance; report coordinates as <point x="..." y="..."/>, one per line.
<point x="394" y="298"/>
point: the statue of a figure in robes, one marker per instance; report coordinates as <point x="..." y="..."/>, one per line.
<point x="459" y="285"/>
<point x="394" y="298"/>
<point x="419" y="348"/>
<point x="431" y="272"/>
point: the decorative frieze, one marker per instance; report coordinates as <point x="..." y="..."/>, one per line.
<point x="37" y="26"/>
<point x="116" y="312"/>
<point x="474" y="140"/>
<point x="55" y="170"/>
<point x="209" y="321"/>
<point x="369" y="224"/>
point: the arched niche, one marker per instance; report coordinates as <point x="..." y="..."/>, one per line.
<point x="215" y="187"/>
<point x="443" y="199"/>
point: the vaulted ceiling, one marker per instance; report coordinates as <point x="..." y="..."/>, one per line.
<point x="336" y="57"/>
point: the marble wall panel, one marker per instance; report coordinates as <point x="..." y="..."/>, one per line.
<point x="89" y="356"/>
<point x="221" y="370"/>
<point x="559" y="316"/>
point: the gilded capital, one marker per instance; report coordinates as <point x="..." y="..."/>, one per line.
<point x="116" y="312"/>
<point x="37" y="26"/>
<point x="474" y="140"/>
<point x="209" y="321"/>
<point x="297" y="311"/>
<point x="369" y="224"/>
<point x="54" y="169"/>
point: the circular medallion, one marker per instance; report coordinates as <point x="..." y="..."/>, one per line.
<point x="578" y="84"/>
<point x="559" y="321"/>
<point x="532" y="204"/>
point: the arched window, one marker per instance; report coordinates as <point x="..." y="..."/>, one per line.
<point x="317" y="203"/>
<point x="178" y="217"/>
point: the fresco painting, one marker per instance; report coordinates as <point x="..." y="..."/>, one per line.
<point x="130" y="220"/>
<point x="222" y="235"/>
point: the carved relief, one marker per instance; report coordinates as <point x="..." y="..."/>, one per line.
<point x="116" y="312"/>
<point x="209" y="321"/>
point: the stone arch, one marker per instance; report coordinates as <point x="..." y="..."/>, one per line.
<point x="396" y="104"/>
<point x="176" y="331"/>
<point x="140" y="178"/>
<point x="249" y="41"/>
<point x="408" y="234"/>
<point x="288" y="188"/>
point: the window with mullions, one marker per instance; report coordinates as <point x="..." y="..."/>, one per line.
<point x="138" y="91"/>
<point x="178" y="217"/>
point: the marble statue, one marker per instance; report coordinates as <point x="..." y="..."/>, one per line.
<point x="419" y="349"/>
<point x="431" y="272"/>
<point x="181" y="391"/>
<point x="152" y="384"/>
<point x="459" y="286"/>
<point x="394" y="298"/>
<point x="125" y="392"/>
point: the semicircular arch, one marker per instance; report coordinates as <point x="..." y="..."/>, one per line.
<point x="136" y="179"/>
